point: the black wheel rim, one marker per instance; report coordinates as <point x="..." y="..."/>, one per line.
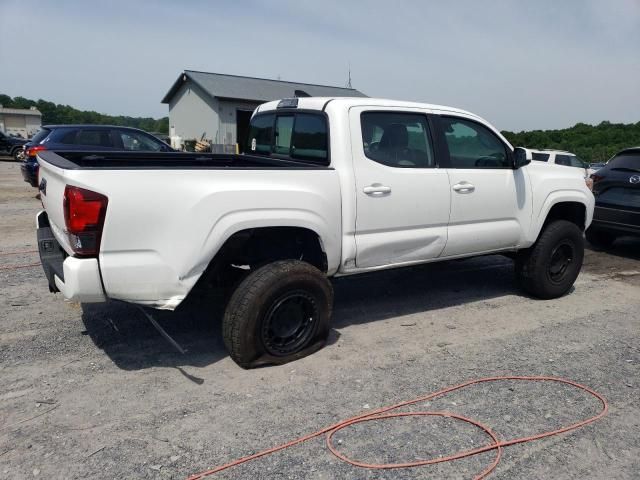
<point x="289" y="323"/>
<point x="562" y="258"/>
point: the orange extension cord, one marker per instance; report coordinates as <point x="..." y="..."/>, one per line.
<point x="15" y="267"/>
<point x="383" y="413"/>
<point x="18" y="253"/>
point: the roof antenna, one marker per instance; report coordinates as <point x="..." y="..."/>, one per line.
<point x="349" y="80"/>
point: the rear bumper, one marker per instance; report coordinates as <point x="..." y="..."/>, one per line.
<point x="78" y="279"/>
<point x="616" y="220"/>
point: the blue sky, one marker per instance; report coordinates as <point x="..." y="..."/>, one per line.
<point x="521" y="65"/>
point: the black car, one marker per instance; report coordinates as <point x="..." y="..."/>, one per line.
<point x="11" y="145"/>
<point x="86" y="137"/>
<point x="616" y="187"/>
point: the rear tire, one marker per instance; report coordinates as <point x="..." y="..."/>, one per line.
<point x="600" y="238"/>
<point x="550" y="267"/>
<point x="278" y="313"/>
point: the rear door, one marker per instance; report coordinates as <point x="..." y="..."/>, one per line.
<point x="489" y="199"/>
<point x="402" y="196"/>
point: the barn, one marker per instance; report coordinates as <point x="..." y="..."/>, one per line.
<point x="217" y="107"/>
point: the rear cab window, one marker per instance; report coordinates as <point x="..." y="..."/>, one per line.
<point x="540" y="157"/>
<point x="296" y="135"/>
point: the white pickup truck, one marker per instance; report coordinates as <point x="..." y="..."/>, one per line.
<point x="329" y="187"/>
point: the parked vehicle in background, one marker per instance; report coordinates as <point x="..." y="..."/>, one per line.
<point x="163" y="137"/>
<point x="560" y="157"/>
<point x="594" y="167"/>
<point x="426" y="183"/>
<point x="11" y="145"/>
<point x="86" y="137"/>
<point x="616" y="188"/>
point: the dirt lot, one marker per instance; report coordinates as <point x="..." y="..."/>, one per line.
<point x="92" y="391"/>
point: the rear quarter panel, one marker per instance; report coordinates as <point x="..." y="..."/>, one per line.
<point x="163" y="227"/>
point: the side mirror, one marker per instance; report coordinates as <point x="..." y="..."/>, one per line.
<point x="520" y="158"/>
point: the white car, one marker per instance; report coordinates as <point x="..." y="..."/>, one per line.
<point x="329" y="187"/>
<point x="560" y="157"/>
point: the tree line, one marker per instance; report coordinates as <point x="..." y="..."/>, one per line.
<point x="592" y="143"/>
<point x="53" y="114"/>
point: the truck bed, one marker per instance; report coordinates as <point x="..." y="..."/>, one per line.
<point x="120" y="160"/>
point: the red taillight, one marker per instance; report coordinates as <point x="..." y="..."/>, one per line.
<point x="84" y="213"/>
<point x="596" y="178"/>
<point x="31" y="151"/>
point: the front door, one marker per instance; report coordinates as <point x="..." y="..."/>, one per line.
<point x="489" y="199"/>
<point x="402" y="196"/>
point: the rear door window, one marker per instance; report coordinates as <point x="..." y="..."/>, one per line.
<point x="95" y="138"/>
<point x="397" y="139"/>
<point x="67" y="137"/>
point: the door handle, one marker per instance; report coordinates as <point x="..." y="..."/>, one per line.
<point x="376" y="190"/>
<point x="464" y="187"/>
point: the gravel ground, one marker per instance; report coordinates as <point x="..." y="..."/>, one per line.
<point x="92" y="391"/>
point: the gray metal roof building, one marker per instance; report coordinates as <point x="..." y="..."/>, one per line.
<point x="218" y="107"/>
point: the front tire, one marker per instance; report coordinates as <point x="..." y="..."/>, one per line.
<point x="278" y="313"/>
<point x="550" y="267"/>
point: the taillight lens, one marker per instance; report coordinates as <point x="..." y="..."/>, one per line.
<point x="84" y="213"/>
<point x="595" y="178"/>
<point x="31" y="151"/>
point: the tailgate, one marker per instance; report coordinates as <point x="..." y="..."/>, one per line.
<point x="51" y="183"/>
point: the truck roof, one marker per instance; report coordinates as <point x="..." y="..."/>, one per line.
<point x="320" y="103"/>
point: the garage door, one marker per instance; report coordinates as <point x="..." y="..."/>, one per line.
<point x="15" y="121"/>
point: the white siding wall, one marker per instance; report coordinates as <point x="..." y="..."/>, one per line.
<point x="17" y="124"/>
<point x="192" y="113"/>
<point x="34" y="123"/>
<point x="227" y="112"/>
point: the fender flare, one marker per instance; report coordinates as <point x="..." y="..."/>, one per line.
<point x="557" y="197"/>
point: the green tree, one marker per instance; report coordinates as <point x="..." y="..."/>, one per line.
<point x="59" y="114"/>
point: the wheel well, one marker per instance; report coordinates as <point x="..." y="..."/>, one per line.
<point x="573" y="212"/>
<point x="257" y="246"/>
<point x="248" y="249"/>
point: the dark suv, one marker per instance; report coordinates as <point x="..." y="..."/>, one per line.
<point x="86" y="137"/>
<point x="11" y="145"/>
<point x="616" y="187"/>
